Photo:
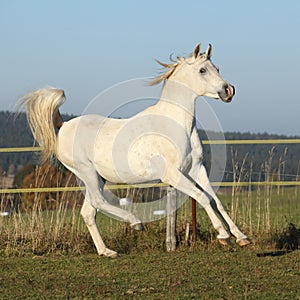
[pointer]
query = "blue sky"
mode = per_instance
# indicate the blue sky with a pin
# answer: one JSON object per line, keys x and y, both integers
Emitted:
{"x": 85, "y": 47}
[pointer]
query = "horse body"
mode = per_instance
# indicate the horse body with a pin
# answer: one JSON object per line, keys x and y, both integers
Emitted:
{"x": 140, "y": 140}
{"x": 160, "y": 143}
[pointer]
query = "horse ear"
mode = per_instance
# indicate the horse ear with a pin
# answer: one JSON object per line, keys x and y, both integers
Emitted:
{"x": 208, "y": 52}
{"x": 197, "y": 51}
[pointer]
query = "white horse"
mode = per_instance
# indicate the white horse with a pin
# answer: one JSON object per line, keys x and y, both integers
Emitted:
{"x": 160, "y": 143}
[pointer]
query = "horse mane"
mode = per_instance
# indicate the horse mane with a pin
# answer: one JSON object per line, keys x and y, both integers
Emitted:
{"x": 171, "y": 67}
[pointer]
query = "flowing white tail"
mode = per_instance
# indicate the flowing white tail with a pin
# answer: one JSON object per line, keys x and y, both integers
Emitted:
{"x": 43, "y": 117}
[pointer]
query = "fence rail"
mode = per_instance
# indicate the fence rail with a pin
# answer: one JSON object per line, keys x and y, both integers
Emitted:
{"x": 122, "y": 186}
{"x": 19, "y": 149}
{"x": 254, "y": 142}
{"x": 144, "y": 186}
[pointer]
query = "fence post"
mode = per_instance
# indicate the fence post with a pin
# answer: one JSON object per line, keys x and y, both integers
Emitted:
{"x": 171, "y": 219}
{"x": 194, "y": 219}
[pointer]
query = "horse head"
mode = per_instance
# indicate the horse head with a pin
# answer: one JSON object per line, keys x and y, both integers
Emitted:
{"x": 198, "y": 73}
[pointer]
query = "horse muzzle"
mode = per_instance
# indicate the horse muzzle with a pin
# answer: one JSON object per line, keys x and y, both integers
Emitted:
{"x": 227, "y": 93}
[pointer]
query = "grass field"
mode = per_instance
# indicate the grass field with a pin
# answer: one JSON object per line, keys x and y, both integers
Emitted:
{"x": 50, "y": 255}
{"x": 211, "y": 273}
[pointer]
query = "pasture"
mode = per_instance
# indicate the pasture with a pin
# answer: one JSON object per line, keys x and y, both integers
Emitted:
{"x": 50, "y": 255}
{"x": 198, "y": 273}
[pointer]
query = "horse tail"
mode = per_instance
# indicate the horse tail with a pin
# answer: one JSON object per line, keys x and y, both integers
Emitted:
{"x": 43, "y": 117}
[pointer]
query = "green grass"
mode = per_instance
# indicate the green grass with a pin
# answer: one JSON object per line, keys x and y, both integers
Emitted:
{"x": 213, "y": 273}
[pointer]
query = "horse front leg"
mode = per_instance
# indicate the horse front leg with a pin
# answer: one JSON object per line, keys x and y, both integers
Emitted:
{"x": 201, "y": 178}
{"x": 184, "y": 184}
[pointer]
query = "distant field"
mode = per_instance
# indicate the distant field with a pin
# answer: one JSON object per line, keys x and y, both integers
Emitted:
{"x": 50, "y": 255}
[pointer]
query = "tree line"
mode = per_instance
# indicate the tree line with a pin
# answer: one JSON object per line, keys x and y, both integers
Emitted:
{"x": 243, "y": 162}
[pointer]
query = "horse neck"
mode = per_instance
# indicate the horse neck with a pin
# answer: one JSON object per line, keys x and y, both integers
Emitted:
{"x": 178, "y": 102}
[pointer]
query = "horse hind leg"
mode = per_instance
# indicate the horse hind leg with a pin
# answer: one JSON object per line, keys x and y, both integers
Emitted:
{"x": 119, "y": 213}
{"x": 88, "y": 213}
{"x": 95, "y": 200}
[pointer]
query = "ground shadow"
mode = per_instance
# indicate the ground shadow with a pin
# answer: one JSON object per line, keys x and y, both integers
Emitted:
{"x": 286, "y": 242}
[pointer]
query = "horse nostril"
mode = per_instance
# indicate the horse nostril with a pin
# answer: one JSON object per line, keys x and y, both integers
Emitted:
{"x": 229, "y": 90}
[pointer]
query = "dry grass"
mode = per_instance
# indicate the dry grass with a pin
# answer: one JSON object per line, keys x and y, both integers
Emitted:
{"x": 62, "y": 230}
{"x": 44, "y": 228}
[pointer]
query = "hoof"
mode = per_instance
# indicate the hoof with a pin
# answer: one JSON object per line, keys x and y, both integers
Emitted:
{"x": 224, "y": 242}
{"x": 109, "y": 253}
{"x": 244, "y": 242}
{"x": 137, "y": 226}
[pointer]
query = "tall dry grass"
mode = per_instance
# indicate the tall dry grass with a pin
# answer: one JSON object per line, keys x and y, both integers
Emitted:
{"x": 265, "y": 208}
{"x": 261, "y": 212}
{"x": 41, "y": 231}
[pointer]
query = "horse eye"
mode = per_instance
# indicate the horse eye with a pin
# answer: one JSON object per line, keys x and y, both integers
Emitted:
{"x": 202, "y": 70}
